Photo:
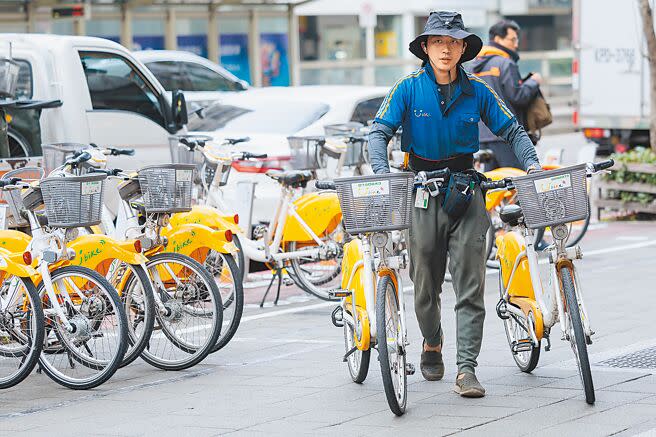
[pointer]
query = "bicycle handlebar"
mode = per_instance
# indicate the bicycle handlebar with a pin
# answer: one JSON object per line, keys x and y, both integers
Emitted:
{"x": 249, "y": 155}
{"x": 10, "y": 181}
{"x": 603, "y": 165}
{"x": 108, "y": 172}
{"x": 78, "y": 158}
{"x": 233, "y": 141}
{"x": 496, "y": 185}
{"x": 116, "y": 152}
{"x": 325, "y": 185}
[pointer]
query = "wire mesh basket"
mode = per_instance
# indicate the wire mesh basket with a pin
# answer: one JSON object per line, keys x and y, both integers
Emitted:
{"x": 375, "y": 203}
{"x": 167, "y": 188}
{"x": 55, "y": 155}
{"x": 210, "y": 168}
{"x": 553, "y": 197}
{"x": 306, "y": 152}
{"x": 14, "y": 197}
{"x": 75, "y": 201}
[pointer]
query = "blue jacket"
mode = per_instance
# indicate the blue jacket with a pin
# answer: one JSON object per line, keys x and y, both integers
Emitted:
{"x": 436, "y": 128}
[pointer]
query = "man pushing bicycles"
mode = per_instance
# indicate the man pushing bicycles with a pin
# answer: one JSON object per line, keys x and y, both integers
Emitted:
{"x": 439, "y": 107}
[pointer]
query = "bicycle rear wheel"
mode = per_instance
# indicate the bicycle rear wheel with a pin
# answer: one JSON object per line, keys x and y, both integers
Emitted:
{"x": 391, "y": 351}
{"x": 517, "y": 333}
{"x": 358, "y": 361}
{"x": 190, "y": 312}
{"x": 90, "y": 352}
{"x": 229, "y": 280}
{"x": 138, "y": 300}
{"x": 576, "y": 335}
{"x": 21, "y": 330}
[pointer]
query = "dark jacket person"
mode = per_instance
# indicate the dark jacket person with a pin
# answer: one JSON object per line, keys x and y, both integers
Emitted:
{"x": 496, "y": 64}
{"x": 439, "y": 107}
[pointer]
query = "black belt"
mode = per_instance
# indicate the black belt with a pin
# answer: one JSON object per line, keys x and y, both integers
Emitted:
{"x": 458, "y": 163}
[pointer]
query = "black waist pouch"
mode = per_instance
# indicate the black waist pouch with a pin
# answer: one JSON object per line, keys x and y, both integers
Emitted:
{"x": 458, "y": 194}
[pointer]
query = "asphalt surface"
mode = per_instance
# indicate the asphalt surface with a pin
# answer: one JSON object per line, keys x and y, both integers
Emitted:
{"x": 283, "y": 373}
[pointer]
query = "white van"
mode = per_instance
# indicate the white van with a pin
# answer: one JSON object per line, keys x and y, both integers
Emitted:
{"x": 109, "y": 97}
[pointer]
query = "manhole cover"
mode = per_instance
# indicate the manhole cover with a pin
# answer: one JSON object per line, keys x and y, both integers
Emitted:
{"x": 642, "y": 359}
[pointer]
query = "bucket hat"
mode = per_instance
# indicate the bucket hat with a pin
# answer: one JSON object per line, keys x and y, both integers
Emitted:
{"x": 446, "y": 23}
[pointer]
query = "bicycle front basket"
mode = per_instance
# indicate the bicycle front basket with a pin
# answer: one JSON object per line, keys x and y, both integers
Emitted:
{"x": 306, "y": 152}
{"x": 181, "y": 155}
{"x": 55, "y": 155}
{"x": 73, "y": 202}
{"x": 14, "y": 198}
{"x": 167, "y": 188}
{"x": 553, "y": 197}
{"x": 375, "y": 203}
{"x": 351, "y": 128}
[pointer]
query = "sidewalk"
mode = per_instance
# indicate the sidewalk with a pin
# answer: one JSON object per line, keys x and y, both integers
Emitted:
{"x": 283, "y": 374}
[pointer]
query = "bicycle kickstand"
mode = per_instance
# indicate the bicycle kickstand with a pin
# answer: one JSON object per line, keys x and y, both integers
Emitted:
{"x": 278, "y": 275}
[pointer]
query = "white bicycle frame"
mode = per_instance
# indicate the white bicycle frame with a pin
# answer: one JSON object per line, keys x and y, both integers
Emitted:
{"x": 370, "y": 264}
{"x": 269, "y": 249}
{"x": 549, "y": 299}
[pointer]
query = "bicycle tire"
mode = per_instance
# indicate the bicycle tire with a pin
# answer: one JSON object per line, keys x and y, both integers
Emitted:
{"x": 194, "y": 353}
{"x": 34, "y": 339}
{"x": 241, "y": 258}
{"x": 235, "y": 301}
{"x": 397, "y": 397}
{"x": 314, "y": 287}
{"x": 358, "y": 361}
{"x": 137, "y": 345}
{"x": 106, "y": 370}
{"x": 577, "y": 336}
{"x": 510, "y": 325}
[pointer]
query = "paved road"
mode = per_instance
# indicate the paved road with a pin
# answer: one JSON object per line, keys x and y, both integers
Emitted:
{"x": 283, "y": 375}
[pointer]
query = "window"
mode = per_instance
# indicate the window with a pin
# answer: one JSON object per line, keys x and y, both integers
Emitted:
{"x": 203, "y": 79}
{"x": 170, "y": 75}
{"x": 366, "y": 110}
{"x": 24, "y": 83}
{"x": 114, "y": 84}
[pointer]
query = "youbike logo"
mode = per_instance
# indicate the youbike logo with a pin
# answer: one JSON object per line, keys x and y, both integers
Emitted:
{"x": 419, "y": 113}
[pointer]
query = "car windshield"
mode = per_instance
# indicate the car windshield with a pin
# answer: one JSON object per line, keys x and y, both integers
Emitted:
{"x": 273, "y": 118}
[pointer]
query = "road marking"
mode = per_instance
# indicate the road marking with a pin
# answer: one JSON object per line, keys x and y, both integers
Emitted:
{"x": 304, "y": 308}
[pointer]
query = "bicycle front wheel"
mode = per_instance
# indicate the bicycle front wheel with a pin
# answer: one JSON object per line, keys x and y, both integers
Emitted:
{"x": 576, "y": 334}
{"x": 190, "y": 312}
{"x": 391, "y": 350}
{"x": 84, "y": 349}
{"x": 21, "y": 330}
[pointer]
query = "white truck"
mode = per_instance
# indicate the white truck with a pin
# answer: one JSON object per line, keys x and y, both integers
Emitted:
{"x": 610, "y": 74}
{"x": 109, "y": 97}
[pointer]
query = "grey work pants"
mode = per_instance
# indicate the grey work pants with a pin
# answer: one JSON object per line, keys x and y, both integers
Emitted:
{"x": 432, "y": 236}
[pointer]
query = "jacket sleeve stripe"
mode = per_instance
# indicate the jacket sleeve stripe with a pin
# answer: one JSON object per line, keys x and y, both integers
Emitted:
{"x": 386, "y": 103}
{"x": 500, "y": 102}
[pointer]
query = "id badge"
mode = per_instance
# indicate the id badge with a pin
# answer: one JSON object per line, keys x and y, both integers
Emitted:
{"x": 421, "y": 198}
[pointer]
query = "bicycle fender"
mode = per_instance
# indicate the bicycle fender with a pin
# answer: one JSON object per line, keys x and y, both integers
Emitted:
{"x": 190, "y": 238}
{"x": 509, "y": 246}
{"x": 14, "y": 241}
{"x": 94, "y": 250}
{"x": 353, "y": 254}
{"x": 13, "y": 264}
{"x": 528, "y": 306}
{"x": 320, "y": 211}
{"x": 207, "y": 216}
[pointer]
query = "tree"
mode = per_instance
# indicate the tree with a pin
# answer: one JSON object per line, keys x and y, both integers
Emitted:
{"x": 650, "y": 36}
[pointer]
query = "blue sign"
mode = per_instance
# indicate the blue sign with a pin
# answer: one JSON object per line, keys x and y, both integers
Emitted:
{"x": 155, "y": 42}
{"x": 234, "y": 54}
{"x": 273, "y": 55}
{"x": 196, "y": 44}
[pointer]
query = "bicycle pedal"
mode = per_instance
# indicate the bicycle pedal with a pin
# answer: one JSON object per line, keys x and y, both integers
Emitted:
{"x": 524, "y": 345}
{"x": 409, "y": 369}
{"x": 287, "y": 281}
{"x": 337, "y": 317}
{"x": 339, "y": 293}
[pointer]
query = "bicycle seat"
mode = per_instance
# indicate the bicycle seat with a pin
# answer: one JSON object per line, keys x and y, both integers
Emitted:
{"x": 511, "y": 214}
{"x": 293, "y": 178}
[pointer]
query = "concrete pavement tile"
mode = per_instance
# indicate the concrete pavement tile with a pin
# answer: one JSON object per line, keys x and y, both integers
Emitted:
{"x": 578, "y": 428}
{"x": 550, "y": 372}
{"x": 614, "y": 398}
{"x": 601, "y": 380}
{"x": 388, "y": 419}
{"x": 522, "y": 380}
{"x": 290, "y": 426}
{"x": 475, "y": 410}
{"x": 642, "y": 385}
{"x": 544, "y": 392}
{"x": 651, "y": 400}
{"x": 492, "y": 401}
{"x": 624, "y": 415}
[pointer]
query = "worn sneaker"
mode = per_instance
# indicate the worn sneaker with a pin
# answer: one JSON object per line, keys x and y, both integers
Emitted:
{"x": 432, "y": 365}
{"x": 467, "y": 385}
